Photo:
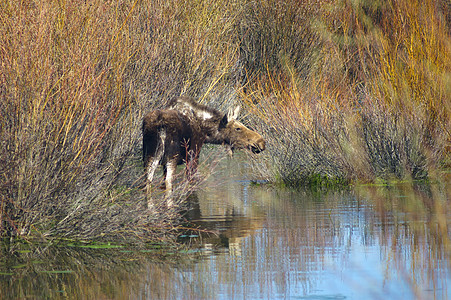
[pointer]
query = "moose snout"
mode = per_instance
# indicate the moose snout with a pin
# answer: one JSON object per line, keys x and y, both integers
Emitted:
{"x": 258, "y": 146}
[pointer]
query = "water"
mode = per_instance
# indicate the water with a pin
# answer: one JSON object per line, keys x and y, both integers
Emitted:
{"x": 300, "y": 245}
{"x": 261, "y": 242}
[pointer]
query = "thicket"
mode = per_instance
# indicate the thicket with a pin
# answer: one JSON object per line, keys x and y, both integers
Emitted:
{"x": 370, "y": 99}
{"x": 341, "y": 90}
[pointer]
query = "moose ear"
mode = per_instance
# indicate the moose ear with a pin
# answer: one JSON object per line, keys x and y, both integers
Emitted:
{"x": 224, "y": 122}
{"x": 233, "y": 113}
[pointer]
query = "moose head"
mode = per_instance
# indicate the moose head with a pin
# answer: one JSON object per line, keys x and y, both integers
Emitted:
{"x": 234, "y": 135}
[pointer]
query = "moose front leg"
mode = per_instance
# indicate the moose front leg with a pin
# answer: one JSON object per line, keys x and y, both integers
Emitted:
{"x": 170, "y": 168}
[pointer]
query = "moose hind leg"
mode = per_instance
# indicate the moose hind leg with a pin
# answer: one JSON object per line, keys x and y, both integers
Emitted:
{"x": 151, "y": 168}
{"x": 152, "y": 165}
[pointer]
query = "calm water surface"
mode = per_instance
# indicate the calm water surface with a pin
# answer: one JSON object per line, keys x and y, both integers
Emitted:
{"x": 266, "y": 243}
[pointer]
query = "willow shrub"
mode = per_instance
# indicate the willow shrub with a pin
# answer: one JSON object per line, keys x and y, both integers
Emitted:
{"x": 75, "y": 81}
{"x": 373, "y": 102}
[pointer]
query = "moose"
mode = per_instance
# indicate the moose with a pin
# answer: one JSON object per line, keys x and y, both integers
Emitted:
{"x": 172, "y": 135}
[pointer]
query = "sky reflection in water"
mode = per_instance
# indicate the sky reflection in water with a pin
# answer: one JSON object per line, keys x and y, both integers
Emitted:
{"x": 304, "y": 245}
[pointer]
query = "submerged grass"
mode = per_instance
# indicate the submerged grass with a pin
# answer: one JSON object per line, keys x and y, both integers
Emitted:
{"x": 342, "y": 91}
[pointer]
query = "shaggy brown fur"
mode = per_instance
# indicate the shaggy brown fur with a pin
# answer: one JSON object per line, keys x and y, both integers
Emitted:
{"x": 171, "y": 136}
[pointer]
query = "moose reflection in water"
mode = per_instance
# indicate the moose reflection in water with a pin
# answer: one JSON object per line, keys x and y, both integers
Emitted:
{"x": 175, "y": 136}
{"x": 224, "y": 224}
